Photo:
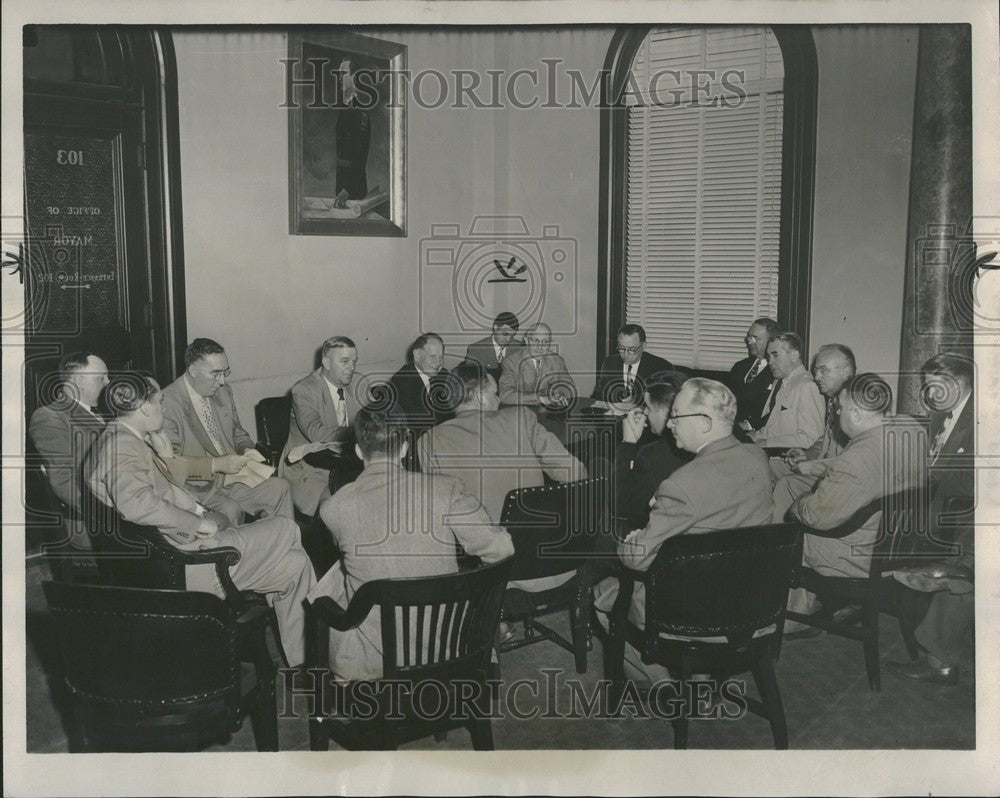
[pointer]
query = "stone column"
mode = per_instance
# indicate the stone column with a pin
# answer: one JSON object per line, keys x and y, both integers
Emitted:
{"x": 939, "y": 252}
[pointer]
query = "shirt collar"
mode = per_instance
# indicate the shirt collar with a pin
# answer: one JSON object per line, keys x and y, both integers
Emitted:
{"x": 88, "y": 408}
{"x": 132, "y": 429}
{"x": 196, "y": 398}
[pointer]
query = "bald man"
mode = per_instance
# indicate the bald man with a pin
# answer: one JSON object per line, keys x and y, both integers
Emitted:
{"x": 535, "y": 375}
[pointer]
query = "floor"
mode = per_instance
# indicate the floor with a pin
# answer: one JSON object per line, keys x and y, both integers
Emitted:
{"x": 823, "y": 686}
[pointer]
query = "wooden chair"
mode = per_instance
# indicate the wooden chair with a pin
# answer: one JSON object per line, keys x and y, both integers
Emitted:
{"x": 159, "y": 670}
{"x": 897, "y": 544}
{"x": 556, "y": 529}
{"x": 436, "y": 631}
{"x": 274, "y": 418}
{"x": 731, "y": 585}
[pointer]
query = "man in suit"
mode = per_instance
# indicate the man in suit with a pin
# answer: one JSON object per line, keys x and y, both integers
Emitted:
{"x": 127, "y": 473}
{"x": 623, "y": 376}
{"x": 535, "y": 375}
{"x": 726, "y": 485}
{"x": 65, "y": 430}
{"x": 493, "y": 450}
{"x": 794, "y": 411}
{"x": 420, "y": 389}
{"x": 489, "y": 352}
{"x": 750, "y": 379}
{"x": 209, "y": 442}
{"x": 947, "y": 393}
{"x": 322, "y": 410}
{"x": 849, "y": 482}
{"x": 639, "y": 470}
{"x": 833, "y": 367}
{"x": 392, "y": 523}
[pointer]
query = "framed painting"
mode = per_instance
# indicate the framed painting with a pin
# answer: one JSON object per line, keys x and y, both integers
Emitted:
{"x": 346, "y": 134}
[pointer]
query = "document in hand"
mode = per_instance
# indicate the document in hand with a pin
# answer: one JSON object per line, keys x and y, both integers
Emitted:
{"x": 251, "y": 475}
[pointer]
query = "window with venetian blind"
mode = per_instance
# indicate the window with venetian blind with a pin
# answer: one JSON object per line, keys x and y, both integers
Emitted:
{"x": 703, "y": 190}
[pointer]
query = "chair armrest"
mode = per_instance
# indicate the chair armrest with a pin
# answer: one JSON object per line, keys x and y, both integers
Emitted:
{"x": 253, "y": 617}
{"x": 227, "y": 555}
{"x": 335, "y": 616}
{"x": 270, "y": 455}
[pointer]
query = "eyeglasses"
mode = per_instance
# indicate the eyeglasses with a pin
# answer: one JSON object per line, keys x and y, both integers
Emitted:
{"x": 630, "y": 350}
{"x": 673, "y": 417}
{"x": 539, "y": 341}
{"x": 217, "y": 373}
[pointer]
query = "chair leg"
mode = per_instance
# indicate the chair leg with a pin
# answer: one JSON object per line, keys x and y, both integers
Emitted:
{"x": 870, "y": 624}
{"x": 681, "y": 724}
{"x": 264, "y": 717}
{"x": 579, "y": 616}
{"x": 481, "y": 730}
{"x": 767, "y": 686}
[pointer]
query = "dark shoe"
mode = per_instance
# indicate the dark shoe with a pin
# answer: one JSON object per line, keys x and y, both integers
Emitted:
{"x": 946, "y": 575}
{"x": 508, "y": 631}
{"x": 922, "y": 671}
{"x": 846, "y": 613}
{"x": 812, "y": 633}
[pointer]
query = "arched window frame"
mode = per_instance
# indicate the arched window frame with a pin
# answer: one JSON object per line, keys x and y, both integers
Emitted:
{"x": 798, "y": 162}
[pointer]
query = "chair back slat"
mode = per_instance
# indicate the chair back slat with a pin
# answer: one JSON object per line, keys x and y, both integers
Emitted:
{"x": 557, "y": 528}
{"x": 730, "y": 583}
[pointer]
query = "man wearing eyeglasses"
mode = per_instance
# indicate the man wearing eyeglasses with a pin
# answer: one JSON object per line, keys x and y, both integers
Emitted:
{"x": 727, "y": 485}
{"x": 203, "y": 440}
{"x": 535, "y": 375}
{"x": 625, "y": 373}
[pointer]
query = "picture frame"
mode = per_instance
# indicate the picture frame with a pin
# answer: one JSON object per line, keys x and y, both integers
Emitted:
{"x": 346, "y": 134}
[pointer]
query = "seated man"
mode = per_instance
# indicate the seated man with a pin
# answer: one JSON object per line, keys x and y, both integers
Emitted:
{"x": 391, "y": 523}
{"x": 623, "y": 376}
{"x": 639, "y": 470}
{"x": 793, "y": 412}
{"x": 208, "y": 441}
{"x": 419, "y": 389}
{"x": 834, "y": 366}
{"x": 490, "y": 351}
{"x": 750, "y": 379}
{"x": 322, "y": 409}
{"x": 126, "y": 473}
{"x": 726, "y": 485}
{"x": 534, "y": 375}
{"x": 64, "y": 431}
{"x": 849, "y": 482}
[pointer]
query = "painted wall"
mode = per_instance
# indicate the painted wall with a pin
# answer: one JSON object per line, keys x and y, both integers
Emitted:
{"x": 271, "y": 298}
{"x": 864, "y": 132}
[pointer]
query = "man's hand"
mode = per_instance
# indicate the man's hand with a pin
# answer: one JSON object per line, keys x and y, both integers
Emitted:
{"x": 253, "y": 454}
{"x": 221, "y": 520}
{"x": 229, "y": 464}
{"x": 810, "y": 468}
{"x": 161, "y": 445}
{"x": 553, "y": 400}
{"x": 793, "y": 456}
{"x": 207, "y": 528}
{"x": 633, "y": 424}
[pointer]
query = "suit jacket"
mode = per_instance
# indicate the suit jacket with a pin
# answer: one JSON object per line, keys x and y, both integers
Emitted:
{"x": 798, "y": 413}
{"x": 193, "y": 449}
{"x": 610, "y": 384}
{"x": 391, "y": 523}
{"x": 63, "y": 434}
{"x": 750, "y": 397}
{"x": 494, "y": 453}
{"x": 953, "y": 476}
{"x": 423, "y": 407}
{"x": 313, "y": 420}
{"x": 484, "y": 353}
{"x": 520, "y": 382}
{"x": 726, "y": 485}
{"x": 639, "y": 470}
{"x": 833, "y": 440}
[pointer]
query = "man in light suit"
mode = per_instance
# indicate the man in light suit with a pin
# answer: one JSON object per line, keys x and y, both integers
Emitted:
{"x": 623, "y": 376}
{"x": 535, "y": 375}
{"x": 750, "y": 379}
{"x": 322, "y": 410}
{"x": 726, "y": 485}
{"x": 208, "y": 440}
{"x": 391, "y": 523}
{"x": 489, "y": 352}
{"x": 834, "y": 366}
{"x": 419, "y": 389}
{"x": 849, "y": 482}
{"x": 127, "y": 473}
{"x": 65, "y": 430}
{"x": 794, "y": 411}
{"x": 493, "y": 450}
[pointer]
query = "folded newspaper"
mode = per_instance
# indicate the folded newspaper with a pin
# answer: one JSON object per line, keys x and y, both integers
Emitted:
{"x": 299, "y": 452}
{"x": 251, "y": 475}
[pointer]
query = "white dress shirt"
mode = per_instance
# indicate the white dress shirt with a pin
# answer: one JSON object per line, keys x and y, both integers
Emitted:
{"x": 199, "y": 409}
{"x": 340, "y": 405}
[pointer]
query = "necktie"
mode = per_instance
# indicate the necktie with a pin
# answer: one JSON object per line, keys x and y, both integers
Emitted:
{"x": 628, "y": 378}
{"x": 829, "y": 434}
{"x": 939, "y": 439}
{"x": 212, "y": 426}
{"x": 341, "y": 409}
{"x": 538, "y": 371}
{"x": 500, "y": 354}
{"x": 771, "y": 400}
{"x": 754, "y": 371}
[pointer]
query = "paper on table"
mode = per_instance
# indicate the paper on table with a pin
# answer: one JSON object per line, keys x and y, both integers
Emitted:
{"x": 299, "y": 452}
{"x": 251, "y": 475}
